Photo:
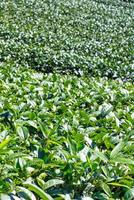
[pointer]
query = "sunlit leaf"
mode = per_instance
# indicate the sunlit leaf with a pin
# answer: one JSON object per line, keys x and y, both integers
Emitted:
{"x": 38, "y": 191}
{"x": 50, "y": 183}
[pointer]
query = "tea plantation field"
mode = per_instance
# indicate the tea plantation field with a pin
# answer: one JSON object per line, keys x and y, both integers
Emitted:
{"x": 81, "y": 36}
{"x": 66, "y": 100}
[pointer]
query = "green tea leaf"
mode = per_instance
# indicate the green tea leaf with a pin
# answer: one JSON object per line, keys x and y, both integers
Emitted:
{"x": 101, "y": 155}
{"x": 129, "y": 195}
{"x": 25, "y": 193}
{"x": 5, "y": 142}
{"x": 38, "y": 191}
{"x": 122, "y": 160}
{"x": 49, "y": 183}
{"x": 106, "y": 188}
{"x": 116, "y": 150}
{"x": 118, "y": 184}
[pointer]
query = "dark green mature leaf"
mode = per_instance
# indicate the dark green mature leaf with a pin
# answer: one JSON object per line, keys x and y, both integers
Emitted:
{"x": 129, "y": 195}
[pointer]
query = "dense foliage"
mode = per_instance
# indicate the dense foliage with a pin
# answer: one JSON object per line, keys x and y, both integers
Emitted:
{"x": 67, "y": 134}
{"x": 76, "y": 132}
{"x": 88, "y": 36}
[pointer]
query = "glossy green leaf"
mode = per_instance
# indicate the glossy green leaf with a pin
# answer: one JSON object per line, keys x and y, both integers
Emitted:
{"x": 114, "y": 153}
{"x": 38, "y": 191}
{"x": 50, "y": 183}
{"x": 25, "y": 193}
